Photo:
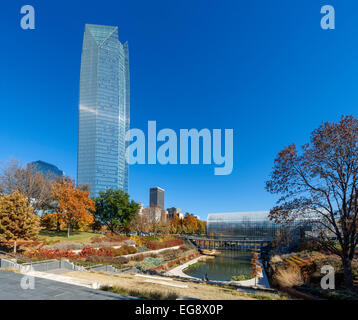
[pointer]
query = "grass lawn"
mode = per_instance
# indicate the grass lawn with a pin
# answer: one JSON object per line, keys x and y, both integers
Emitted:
{"x": 75, "y": 236}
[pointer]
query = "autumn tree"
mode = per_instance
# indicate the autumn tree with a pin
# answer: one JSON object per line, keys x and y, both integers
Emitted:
{"x": 17, "y": 219}
{"x": 201, "y": 226}
{"x": 140, "y": 223}
{"x": 52, "y": 221}
{"x": 73, "y": 204}
{"x": 174, "y": 224}
{"x": 255, "y": 265}
{"x": 190, "y": 223}
{"x": 320, "y": 183}
{"x": 163, "y": 227}
{"x": 115, "y": 210}
{"x": 29, "y": 182}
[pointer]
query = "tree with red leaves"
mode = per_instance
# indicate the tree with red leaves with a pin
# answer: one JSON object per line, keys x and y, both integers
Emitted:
{"x": 320, "y": 183}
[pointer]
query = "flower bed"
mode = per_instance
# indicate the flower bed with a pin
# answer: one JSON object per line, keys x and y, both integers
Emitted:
{"x": 156, "y": 245}
{"x": 84, "y": 253}
{"x": 149, "y": 263}
{"x": 174, "y": 262}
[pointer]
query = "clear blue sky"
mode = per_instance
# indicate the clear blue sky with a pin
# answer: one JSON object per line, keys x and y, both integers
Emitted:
{"x": 264, "y": 68}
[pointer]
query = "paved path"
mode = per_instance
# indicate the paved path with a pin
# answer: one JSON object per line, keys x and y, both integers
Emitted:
{"x": 10, "y": 289}
{"x": 146, "y": 253}
{"x": 178, "y": 271}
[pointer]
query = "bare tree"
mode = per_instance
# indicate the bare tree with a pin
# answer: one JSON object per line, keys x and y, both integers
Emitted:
{"x": 29, "y": 182}
{"x": 321, "y": 183}
{"x": 141, "y": 223}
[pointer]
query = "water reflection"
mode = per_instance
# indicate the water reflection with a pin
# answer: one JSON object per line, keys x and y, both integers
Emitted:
{"x": 223, "y": 267}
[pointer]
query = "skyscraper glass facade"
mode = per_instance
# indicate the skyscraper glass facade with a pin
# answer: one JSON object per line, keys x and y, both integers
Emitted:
{"x": 103, "y": 110}
{"x": 48, "y": 170}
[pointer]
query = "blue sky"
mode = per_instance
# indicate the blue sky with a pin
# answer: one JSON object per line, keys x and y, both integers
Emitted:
{"x": 263, "y": 68}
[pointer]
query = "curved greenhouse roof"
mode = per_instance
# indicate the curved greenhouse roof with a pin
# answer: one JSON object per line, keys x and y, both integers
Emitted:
{"x": 245, "y": 225}
{"x": 239, "y": 216}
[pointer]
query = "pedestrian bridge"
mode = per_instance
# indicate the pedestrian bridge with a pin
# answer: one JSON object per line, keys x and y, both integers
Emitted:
{"x": 228, "y": 244}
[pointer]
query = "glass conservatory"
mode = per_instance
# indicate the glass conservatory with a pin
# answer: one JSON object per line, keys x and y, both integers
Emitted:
{"x": 247, "y": 226}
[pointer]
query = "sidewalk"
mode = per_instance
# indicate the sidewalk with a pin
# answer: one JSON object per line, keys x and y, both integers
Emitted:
{"x": 178, "y": 271}
{"x": 45, "y": 289}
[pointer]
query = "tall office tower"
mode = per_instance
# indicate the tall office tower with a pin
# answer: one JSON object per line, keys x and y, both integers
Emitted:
{"x": 156, "y": 197}
{"x": 103, "y": 110}
{"x": 48, "y": 170}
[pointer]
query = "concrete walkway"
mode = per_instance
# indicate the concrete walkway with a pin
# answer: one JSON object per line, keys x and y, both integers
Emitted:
{"x": 63, "y": 279}
{"x": 178, "y": 271}
{"x": 44, "y": 289}
{"x": 150, "y": 252}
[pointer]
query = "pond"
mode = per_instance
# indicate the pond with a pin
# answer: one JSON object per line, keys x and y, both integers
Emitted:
{"x": 222, "y": 267}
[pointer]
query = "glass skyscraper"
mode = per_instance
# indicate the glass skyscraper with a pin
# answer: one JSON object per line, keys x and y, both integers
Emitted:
{"x": 103, "y": 110}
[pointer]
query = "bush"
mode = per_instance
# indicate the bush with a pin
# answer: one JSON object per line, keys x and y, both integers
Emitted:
{"x": 99, "y": 259}
{"x": 109, "y": 238}
{"x": 89, "y": 251}
{"x": 149, "y": 263}
{"x": 124, "y": 250}
{"x": 142, "y": 249}
{"x": 241, "y": 277}
{"x": 289, "y": 276}
{"x": 183, "y": 248}
{"x": 156, "y": 245}
{"x": 170, "y": 255}
{"x": 120, "y": 260}
{"x": 139, "y": 257}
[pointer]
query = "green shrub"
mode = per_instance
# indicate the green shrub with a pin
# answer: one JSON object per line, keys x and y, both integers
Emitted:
{"x": 149, "y": 263}
{"x": 142, "y": 249}
{"x": 241, "y": 277}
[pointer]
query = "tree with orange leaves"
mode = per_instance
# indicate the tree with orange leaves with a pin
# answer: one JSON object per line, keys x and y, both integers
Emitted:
{"x": 174, "y": 224}
{"x": 190, "y": 223}
{"x": 73, "y": 204}
{"x": 256, "y": 266}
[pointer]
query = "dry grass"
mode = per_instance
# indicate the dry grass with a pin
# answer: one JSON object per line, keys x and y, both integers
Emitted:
{"x": 289, "y": 277}
{"x": 128, "y": 282}
{"x": 275, "y": 259}
{"x": 152, "y": 295}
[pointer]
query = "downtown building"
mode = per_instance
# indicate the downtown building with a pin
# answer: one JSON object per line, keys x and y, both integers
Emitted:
{"x": 48, "y": 170}
{"x": 103, "y": 110}
{"x": 156, "y": 197}
{"x": 156, "y": 210}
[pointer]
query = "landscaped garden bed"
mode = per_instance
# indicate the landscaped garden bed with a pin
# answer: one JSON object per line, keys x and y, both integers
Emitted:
{"x": 302, "y": 271}
{"x": 120, "y": 251}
